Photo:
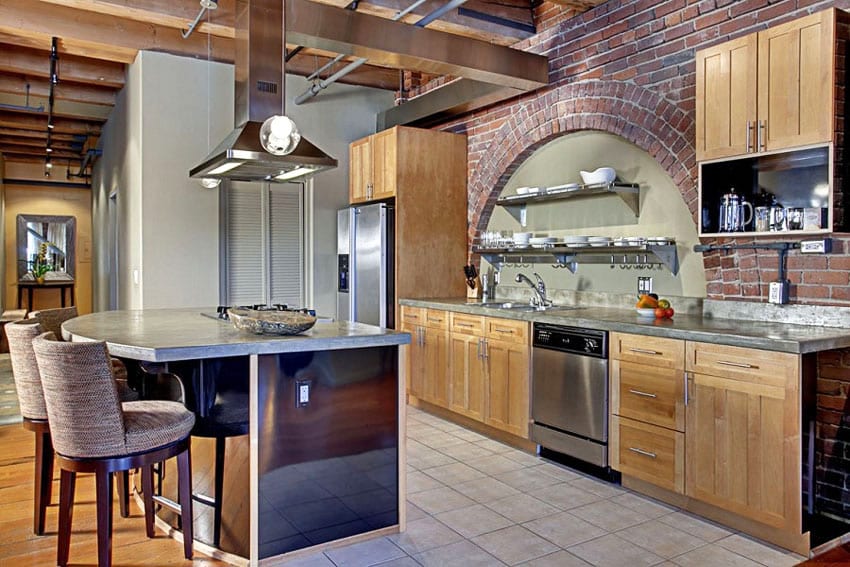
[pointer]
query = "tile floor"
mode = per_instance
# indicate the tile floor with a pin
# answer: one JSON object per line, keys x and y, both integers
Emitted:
{"x": 473, "y": 501}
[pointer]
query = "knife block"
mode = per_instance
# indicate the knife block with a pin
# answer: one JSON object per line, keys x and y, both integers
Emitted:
{"x": 474, "y": 292}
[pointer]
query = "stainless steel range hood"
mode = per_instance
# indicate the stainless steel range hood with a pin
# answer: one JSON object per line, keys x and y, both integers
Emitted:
{"x": 260, "y": 86}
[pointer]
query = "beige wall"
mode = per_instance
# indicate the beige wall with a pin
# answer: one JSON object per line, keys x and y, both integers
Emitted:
{"x": 36, "y": 200}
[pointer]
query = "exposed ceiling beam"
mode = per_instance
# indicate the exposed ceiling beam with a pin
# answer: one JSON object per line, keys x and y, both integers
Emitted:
{"x": 12, "y": 149}
{"x": 39, "y": 122}
{"x": 41, "y": 135}
{"x": 35, "y": 63}
{"x": 63, "y": 108}
{"x": 62, "y": 91}
{"x": 33, "y": 143}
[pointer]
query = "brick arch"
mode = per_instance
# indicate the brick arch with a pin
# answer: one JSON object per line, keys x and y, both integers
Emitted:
{"x": 639, "y": 115}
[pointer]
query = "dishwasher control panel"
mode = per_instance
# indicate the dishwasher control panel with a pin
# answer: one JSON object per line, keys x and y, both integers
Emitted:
{"x": 588, "y": 342}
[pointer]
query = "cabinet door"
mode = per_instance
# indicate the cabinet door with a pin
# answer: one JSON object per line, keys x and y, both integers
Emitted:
{"x": 743, "y": 448}
{"x": 385, "y": 161}
{"x": 648, "y": 452}
{"x": 436, "y": 354}
{"x": 648, "y": 393}
{"x": 415, "y": 360}
{"x": 726, "y": 98}
{"x": 360, "y": 170}
{"x": 507, "y": 386}
{"x": 467, "y": 375}
{"x": 796, "y": 82}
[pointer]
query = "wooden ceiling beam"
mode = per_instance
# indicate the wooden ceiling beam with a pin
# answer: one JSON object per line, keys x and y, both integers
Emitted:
{"x": 41, "y": 135}
{"x": 61, "y": 108}
{"x": 36, "y": 63}
{"x": 57, "y": 145}
{"x": 37, "y": 122}
{"x": 35, "y": 152}
{"x": 63, "y": 91}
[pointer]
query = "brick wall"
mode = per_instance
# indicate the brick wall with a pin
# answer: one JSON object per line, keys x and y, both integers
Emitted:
{"x": 627, "y": 67}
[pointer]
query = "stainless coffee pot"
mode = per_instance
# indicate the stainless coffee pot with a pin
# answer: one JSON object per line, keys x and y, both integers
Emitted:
{"x": 733, "y": 212}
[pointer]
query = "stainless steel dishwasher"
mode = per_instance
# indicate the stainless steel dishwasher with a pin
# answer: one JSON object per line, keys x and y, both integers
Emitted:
{"x": 569, "y": 385}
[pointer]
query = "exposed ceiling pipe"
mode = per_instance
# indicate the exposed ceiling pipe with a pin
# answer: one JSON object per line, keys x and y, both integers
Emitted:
{"x": 316, "y": 88}
{"x": 205, "y": 5}
{"x": 54, "y": 80}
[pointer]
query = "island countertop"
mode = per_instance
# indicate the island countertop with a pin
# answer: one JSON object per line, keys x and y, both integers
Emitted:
{"x": 163, "y": 335}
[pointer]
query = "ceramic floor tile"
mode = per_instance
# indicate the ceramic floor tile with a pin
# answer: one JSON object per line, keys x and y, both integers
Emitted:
{"x": 474, "y": 521}
{"x": 470, "y": 436}
{"x": 434, "y": 459}
{"x": 643, "y": 504}
{"x": 465, "y": 451}
{"x": 444, "y": 425}
{"x": 603, "y": 489}
{"x": 523, "y": 458}
{"x": 365, "y": 553}
{"x": 485, "y": 490}
{"x": 611, "y": 551}
{"x": 557, "y": 559}
{"x": 402, "y": 562}
{"x": 661, "y": 539}
{"x": 564, "y": 529}
{"x": 494, "y": 446}
{"x": 527, "y": 479}
{"x": 494, "y": 464}
{"x": 461, "y": 554}
{"x": 419, "y": 481}
{"x": 422, "y": 535}
{"x": 440, "y": 500}
{"x": 713, "y": 556}
{"x": 442, "y": 440}
{"x": 454, "y": 473}
{"x": 560, "y": 472}
{"x": 514, "y": 545}
{"x": 608, "y": 515}
{"x": 565, "y": 496}
{"x": 314, "y": 560}
{"x": 414, "y": 512}
{"x": 695, "y": 526}
{"x": 760, "y": 552}
{"x": 522, "y": 508}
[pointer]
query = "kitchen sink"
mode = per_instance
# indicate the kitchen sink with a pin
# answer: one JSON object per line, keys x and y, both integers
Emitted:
{"x": 525, "y": 307}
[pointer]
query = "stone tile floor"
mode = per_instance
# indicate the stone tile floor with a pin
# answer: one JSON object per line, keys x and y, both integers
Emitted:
{"x": 473, "y": 501}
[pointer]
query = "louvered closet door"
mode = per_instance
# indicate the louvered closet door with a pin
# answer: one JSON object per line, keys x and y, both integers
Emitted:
{"x": 244, "y": 247}
{"x": 286, "y": 244}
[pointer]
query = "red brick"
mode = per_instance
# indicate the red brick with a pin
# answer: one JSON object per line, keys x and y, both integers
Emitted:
{"x": 823, "y": 277}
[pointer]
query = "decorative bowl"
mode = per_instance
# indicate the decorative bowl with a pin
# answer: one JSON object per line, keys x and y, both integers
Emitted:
{"x": 601, "y": 175}
{"x": 272, "y": 322}
{"x": 645, "y": 312}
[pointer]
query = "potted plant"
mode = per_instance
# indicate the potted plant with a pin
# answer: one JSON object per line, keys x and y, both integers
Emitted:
{"x": 40, "y": 266}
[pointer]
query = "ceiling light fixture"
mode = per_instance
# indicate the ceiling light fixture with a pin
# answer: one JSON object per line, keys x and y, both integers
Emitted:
{"x": 49, "y": 150}
{"x": 227, "y": 166}
{"x": 297, "y": 172}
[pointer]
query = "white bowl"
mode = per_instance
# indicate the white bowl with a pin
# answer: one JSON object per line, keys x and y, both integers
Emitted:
{"x": 645, "y": 312}
{"x": 521, "y": 190}
{"x": 601, "y": 175}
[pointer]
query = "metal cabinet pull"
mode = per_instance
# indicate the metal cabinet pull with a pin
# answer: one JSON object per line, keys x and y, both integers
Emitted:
{"x": 644, "y": 394}
{"x": 467, "y": 325}
{"x": 422, "y": 330}
{"x": 645, "y": 351}
{"x": 507, "y": 331}
{"x": 761, "y": 135}
{"x": 642, "y": 452}
{"x": 736, "y": 364}
{"x": 485, "y": 355}
{"x": 430, "y": 320}
{"x": 685, "y": 374}
{"x": 479, "y": 348}
{"x": 749, "y": 136}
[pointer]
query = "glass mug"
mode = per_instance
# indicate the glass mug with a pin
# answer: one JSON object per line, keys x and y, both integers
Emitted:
{"x": 762, "y": 216}
{"x": 794, "y": 218}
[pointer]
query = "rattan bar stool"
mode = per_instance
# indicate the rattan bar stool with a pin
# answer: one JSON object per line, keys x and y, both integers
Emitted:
{"x": 94, "y": 432}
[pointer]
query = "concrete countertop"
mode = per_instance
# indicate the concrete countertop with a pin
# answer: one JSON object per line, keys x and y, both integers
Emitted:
{"x": 783, "y": 337}
{"x": 162, "y": 335}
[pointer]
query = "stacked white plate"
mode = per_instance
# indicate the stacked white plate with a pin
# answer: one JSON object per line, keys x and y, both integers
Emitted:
{"x": 527, "y": 190}
{"x": 622, "y": 241}
{"x": 599, "y": 240}
{"x": 521, "y": 239}
{"x": 659, "y": 239}
{"x": 541, "y": 240}
{"x": 635, "y": 240}
{"x": 575, "y": 241}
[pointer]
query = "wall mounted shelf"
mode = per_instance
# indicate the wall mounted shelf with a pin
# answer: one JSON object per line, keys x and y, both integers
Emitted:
{"x": 570, "y": 257}
{"x": 516, "y": 204}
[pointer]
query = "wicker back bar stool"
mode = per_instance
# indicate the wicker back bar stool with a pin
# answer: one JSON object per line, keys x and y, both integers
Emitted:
{"x": 94, "y": 432}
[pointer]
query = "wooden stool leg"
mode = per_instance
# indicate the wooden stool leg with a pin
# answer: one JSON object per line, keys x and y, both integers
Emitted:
{"x": 219, "y": 488}
{"x": 67, "y": 482}
{"x": 123, "y": 485}
{"x": 103, "y": 486}
{"x": 184, "y": 481}
{"x": 147, "y": 496}
{"x": 43, "y": 479}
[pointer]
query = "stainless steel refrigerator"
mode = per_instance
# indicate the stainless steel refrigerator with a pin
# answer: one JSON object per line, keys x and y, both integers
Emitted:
{"x": 365, "y": 265}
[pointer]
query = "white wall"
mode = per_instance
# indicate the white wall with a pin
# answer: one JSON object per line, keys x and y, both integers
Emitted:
{"x": 169, "y": 224}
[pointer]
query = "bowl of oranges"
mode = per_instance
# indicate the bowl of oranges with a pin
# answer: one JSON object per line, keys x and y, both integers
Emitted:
{"x": 650, "y": 306}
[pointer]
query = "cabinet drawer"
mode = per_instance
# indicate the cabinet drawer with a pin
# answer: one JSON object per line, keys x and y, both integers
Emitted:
{"x": 650, "y": 394}
{"x": 651, "y": 453}
{"x": 763, "y": 367}
{"x": 507, "y": 330}
{"x": 466, "y": 324}
{"x": 666, "y": 353}
{"x": 437, "y": 319}
{"x": 412, "y": 315}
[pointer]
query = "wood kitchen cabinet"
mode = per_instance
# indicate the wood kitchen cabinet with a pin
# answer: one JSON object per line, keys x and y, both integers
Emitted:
{"x": 767, "y": 91}
{"x": 426, "y": 361}
{"x": 360, "y": 170}
{"x": 743, "y": 433}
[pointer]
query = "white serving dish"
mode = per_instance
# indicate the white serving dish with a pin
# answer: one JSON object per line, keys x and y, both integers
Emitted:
{"x": 645, "y": 313}
{"x": 601, "y": 175}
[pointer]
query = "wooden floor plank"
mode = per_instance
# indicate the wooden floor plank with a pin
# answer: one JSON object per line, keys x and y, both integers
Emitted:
{"x": 19, "y": 546}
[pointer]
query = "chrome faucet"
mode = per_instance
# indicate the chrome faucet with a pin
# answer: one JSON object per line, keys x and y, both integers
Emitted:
{"x": 539, "y": 289}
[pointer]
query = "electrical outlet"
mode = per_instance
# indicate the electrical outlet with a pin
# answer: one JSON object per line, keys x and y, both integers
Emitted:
{"x": 302, "y": 393}
{"x": 823, "y": 246}
{"x": 644, "y": 285}
{"x": 778, "y": 292}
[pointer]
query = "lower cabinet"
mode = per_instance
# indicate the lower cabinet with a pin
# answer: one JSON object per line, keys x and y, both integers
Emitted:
{"x": 426, "y": 361}
{"x": 436, "y": 378}
{"x": 651, "y": 453}
{"x": 507, "y": 386}
{"x": 467, "y": 375}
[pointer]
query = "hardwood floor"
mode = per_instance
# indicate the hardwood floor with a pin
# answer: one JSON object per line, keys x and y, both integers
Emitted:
{"x": 19, "y": 546}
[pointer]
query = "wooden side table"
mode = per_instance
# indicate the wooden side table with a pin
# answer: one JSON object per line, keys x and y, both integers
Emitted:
{"x": 61, "y": 285}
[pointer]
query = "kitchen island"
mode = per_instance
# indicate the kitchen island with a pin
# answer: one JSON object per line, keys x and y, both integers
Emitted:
{"x": 323, "y": 456}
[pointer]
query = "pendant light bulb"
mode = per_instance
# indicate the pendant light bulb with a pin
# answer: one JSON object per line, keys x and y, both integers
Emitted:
{"x": 210, "y": 182}
{"x": 279, "y": 135}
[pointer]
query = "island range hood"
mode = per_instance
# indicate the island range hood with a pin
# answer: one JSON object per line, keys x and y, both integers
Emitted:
{"x": 259, "y": 94}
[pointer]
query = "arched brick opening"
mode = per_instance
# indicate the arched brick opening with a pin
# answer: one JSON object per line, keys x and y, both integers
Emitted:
{"x": 639, "y": 115}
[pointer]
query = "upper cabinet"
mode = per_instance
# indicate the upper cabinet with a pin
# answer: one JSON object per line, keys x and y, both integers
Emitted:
{"x": 374, "y": 163}
{"x": 767, "y": 91}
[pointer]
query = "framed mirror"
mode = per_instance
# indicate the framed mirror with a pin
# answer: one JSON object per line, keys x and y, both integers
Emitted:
{"x": 57, "y": 234}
